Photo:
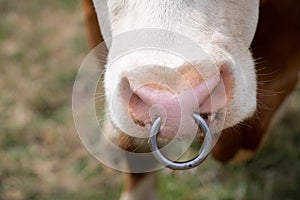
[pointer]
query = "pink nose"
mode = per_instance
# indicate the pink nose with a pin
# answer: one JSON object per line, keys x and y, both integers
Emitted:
{"x": 152, "y": 100}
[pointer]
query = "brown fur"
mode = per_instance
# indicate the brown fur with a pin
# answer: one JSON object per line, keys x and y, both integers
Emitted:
{"x": 276, "y": 45}
{"x": 91, "y": 21}
{"x": 132, "y": 180}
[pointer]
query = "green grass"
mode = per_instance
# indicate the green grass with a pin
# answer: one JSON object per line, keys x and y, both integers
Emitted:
{"x": 41, "y": 157}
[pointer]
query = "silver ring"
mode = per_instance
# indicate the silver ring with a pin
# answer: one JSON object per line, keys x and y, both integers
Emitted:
{"x": 203, "y": 153}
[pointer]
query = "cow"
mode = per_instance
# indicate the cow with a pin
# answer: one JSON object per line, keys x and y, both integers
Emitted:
{"x": 243, "y": 82}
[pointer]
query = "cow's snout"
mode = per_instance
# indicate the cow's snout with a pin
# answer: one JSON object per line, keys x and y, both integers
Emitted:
{"x": 174, "y": 95}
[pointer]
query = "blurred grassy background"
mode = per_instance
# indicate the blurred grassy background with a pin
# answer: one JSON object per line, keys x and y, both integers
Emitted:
{"x": 42, "y": 45}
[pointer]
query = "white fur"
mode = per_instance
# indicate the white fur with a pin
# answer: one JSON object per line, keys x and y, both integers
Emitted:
{"x": 224, "y": 29}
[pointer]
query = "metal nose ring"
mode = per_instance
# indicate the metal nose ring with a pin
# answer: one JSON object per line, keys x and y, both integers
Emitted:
{"x": 203, "y": 153}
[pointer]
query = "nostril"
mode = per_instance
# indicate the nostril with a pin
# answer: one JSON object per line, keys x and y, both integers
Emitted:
{"x": 227, "y": 79}
{"x": 138, "y": 110}
{"x": 204, "y": 116}
{"x": 208, "y": 117}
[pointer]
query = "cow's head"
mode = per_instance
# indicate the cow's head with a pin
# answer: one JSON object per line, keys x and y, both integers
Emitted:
{"x": 150, "y": 82}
